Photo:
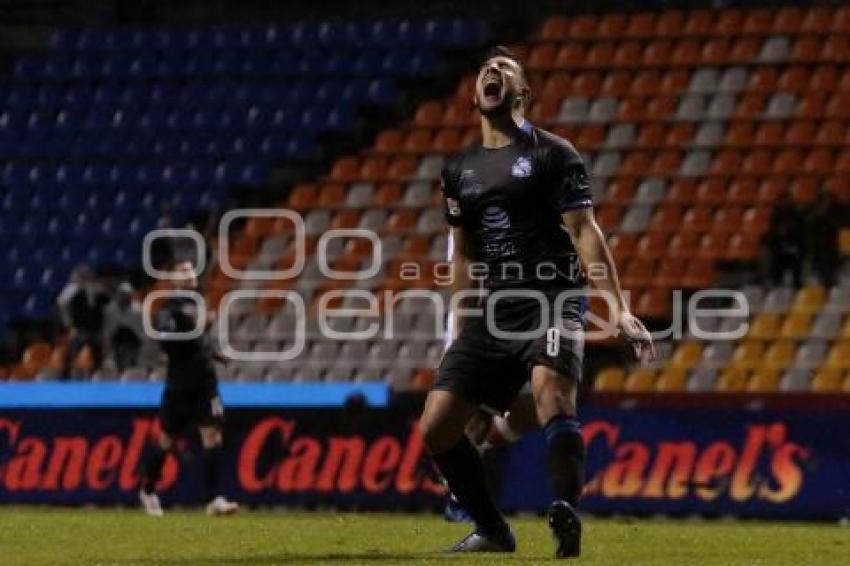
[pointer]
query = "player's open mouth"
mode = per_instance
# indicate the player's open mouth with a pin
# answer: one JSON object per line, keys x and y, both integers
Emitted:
{"x": 492, "y": 88}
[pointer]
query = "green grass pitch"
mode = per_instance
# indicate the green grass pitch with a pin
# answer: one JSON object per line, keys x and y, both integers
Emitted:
{"x": 34, "y": 535}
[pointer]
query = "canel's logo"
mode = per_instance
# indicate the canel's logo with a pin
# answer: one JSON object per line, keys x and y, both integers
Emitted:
{"x": 521, "y": 168}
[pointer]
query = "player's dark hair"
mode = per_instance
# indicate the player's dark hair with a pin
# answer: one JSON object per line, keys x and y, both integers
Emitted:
{"x": 502, "y": 51}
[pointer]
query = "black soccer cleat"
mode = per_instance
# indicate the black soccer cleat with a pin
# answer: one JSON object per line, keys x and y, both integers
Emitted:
{"x": 478, "y": 541}
{"x": 566, "y": 529}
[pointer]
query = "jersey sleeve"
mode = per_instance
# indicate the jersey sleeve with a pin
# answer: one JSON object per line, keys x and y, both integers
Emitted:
{"x": 449, "y": 186}
{"x": 568, "y": 177}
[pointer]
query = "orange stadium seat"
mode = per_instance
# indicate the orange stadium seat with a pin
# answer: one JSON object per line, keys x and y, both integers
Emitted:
{"x": 657, "y": 53}
{"x": 714, "y": 245}
{"x": 758, "y": 22}
{"x": 429, "y": 114}
{"x": 788, "y": 21}
{"x": 555, "y": 28}
{"x": 842, "y": 163}
{"x": 610, "y": 379}
{"x": 796, "y": 326}
{"x": 459, "y": 112}
{"x": 711, "y": 192}
{"x": 669, "y": 274}
{"x": 636, "y": 164}
{"x": 743, "y": 247}
{"x": 557, "y": 86}
{"x": 36, "y": 356}
{"x": 466, "y": 87}
{"x": 586, "y": 84}
{"x": 683, "y": 246}
{"x": 686, "y": 52}
{"x": 824, "y": 79}
{"x": 829, "y": 133}
{"x": 747, "y": 355}
{"x": 608, "y": 217}
{"x": 542, "y": 57}
{"x": 841, "y": 21}
{"x": 653, "y": 304}
{"x": 612, "y": 25}
{"x": 812, "y": 105}
{"x": 302, "y": 197}
{"x": 817, "y": 19}
{"x": 839, "y": 356}
{"x": 800, "y": 133}
{"x": 769, "y": 134}
{"x": 344, "y": 220}
{"x": 621, "y": 191}
{"x": 401, "y": 221}
{"x": 345, "y": 170}
{"x": 388, "y": 141}
{"x": 666, "y": 163}
{"x": 764, "y": 380}
{"x": 583, "y": 27}
{"x": 401, "y": 168}
{"x": 837, "y": 107}
{"x": 697, "y": 219}
{"x": 373, "y": 169}
{"x": 331, "y": 195}
{"x": 731, "y": 380}
{"x": 623, "y": 247}
{"x": 756, "y": 220}
{"x": 649, "y": 135}
{"x": 669, "y": 23}
{"x": 652, "y": 245}
{"x": 671, "y": 380}
{"x": 645, "y": 82}
{"x": 600, "y": 55}
{"x": 793, "y": 79}
{"x": 675, "y": 81}
{"x": 640, "y": 25}
{"x": 727, "y": 220}
{"x": 682, "y": 192}
{"x": 836, "y": 49}
{"x": 742, "y": 192}
{"x": 804, "y": 190}
{"x": 740, "y": 134}
{"x": 638, "y": 273}
{"x": 699, "y": 274}
{"x": 447, "y": 140}
{"x": 729, "y": 21}
{"x": 628, "y": 54}
{"x": 616, "y": 83}
{"x": 418, "y": 141}
{"x": 780, "y": 355}
{"x": 641, "y": 380}
{"x": 806, "y": 49}
{"x": 698, "y": 23}
{"x": 388, "y": 194}
{"x": 667, "y": 218}
{"x": 827, "y": 380}
{"x": 715, "y": 52}
{"x": 591, "y": 137}
{"x": 750, "y": 105}
{"x": 679, "y": 135}
{"x": 744, "y": 50}
{"x": 726, "y": 163}
{"x": 686, "y": 355}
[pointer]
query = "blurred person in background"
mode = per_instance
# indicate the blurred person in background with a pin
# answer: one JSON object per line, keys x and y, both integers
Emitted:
{"x": 822, "y": 226}
{"x": 785, "y": 241}
{"x": 123, "y": 334}
{"x": 82, "y": 303}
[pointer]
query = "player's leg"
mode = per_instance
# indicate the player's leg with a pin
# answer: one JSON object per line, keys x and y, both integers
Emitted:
{"x": 443, "y": 423}
{"x": 211, "y": 441}
{"x": 152, "y": 472}
{"x": 555, "y": 402}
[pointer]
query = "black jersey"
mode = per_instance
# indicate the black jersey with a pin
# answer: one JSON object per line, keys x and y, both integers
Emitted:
{"x": 190, "y": 362}
{"x": 509, "y": 202}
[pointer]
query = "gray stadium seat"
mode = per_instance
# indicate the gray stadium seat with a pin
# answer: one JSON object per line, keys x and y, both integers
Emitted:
{"x": 603, "y": 109}
{"x": 316, "y": 222}
{"x": 373, "y": 219}
{"x": 418, "y": 194}
{"x": 274, "y": 247}
{"x": 795, "y": 379}
{"x": 651, "y": 190}
{"x": 721, "y": 107}
{"x": 774, "y": 50}
{"x": 573, "y": 111}
{"x": 734, "y": 79}
{"x": 709, "y": 135}
{"x": 705, "y": 80}
{"x": 691, "y": 108}
{"x": 134, "y": 374}
{"x": 695, "y": 163}
{"x": 702, "y": 379}
{"x": 716, "y": 354}
{"x": 781, "y": 105}
{"x": 838, "y": 299}
{"x": 439, "y": 248}
{"x": 827, "y": 325}
{"x": 431, "y": 221}
{"x": 606, "y": 164}
{"x": 400, "y": 379}
{"x": 360, "y": 195}
{"x": 636, "y": 219}
{"x": 598, "y": 188}
{"x": 778, "y": 300}
{"x": 430, "y": 167}
{"x": 755, "y": 297}
{"x": 811, "y": 354}
{"x": 620, "y": 136}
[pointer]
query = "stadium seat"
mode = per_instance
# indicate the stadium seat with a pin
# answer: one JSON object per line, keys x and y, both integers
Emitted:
{"x": 732, "y": 380}
{"x": 640, "y": 380}
{"x": 610, "y": 379}
{"x": 672, "y": 380}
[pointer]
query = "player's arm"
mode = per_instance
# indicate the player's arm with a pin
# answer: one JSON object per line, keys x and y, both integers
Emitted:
{"x": 460, "y": 277}
{"x": 593, "y": 251}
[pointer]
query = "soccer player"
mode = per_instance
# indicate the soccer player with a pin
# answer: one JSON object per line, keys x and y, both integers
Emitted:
{"x": 520, "y": 209}
{"x": 190, "y": 398}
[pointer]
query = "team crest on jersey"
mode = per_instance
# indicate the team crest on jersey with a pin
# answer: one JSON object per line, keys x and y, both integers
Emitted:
{"x": 521, "y": 168}
{"x": 495, "y": 217}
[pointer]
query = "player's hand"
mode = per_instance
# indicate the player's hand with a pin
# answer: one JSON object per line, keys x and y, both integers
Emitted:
{"x": 637, "y": 334}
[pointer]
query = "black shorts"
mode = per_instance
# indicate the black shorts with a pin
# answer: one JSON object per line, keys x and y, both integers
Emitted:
{"x": 489, "y": 371}
{"x": 184, "y": 409}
